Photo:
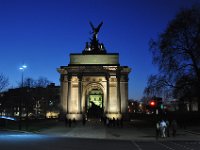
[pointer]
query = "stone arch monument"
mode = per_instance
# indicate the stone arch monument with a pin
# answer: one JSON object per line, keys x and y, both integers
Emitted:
{"x": 94, "y": 83}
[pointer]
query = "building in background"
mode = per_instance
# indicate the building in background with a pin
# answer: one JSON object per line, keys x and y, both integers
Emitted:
{"x": 36, "y": 103}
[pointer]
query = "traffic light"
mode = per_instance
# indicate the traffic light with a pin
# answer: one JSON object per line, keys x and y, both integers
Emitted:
{"x": 161, "y": 106}
{"x": 152, "y": 103}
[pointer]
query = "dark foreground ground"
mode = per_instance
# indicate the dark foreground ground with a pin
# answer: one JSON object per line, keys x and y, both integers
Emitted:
{"x": 16, "y": 140}
{"x": 134, "y": 135}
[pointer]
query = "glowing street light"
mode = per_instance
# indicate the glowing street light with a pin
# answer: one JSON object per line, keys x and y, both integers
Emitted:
{"x": 22, "y": 68}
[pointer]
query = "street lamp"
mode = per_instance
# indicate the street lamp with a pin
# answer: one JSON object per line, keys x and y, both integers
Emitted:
{"x": 22, "y": 68}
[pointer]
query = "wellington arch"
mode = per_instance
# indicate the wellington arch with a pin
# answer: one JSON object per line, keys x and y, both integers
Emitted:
{"x": 94, "y": 84}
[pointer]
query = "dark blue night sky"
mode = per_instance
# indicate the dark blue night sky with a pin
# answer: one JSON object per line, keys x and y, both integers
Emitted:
{"x": 42, "y": 34}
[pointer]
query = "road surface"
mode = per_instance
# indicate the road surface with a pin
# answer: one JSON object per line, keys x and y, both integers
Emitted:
{"x": 10, "y": 140}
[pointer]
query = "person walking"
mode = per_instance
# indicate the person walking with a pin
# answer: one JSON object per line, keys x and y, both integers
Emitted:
{"x": 167, "y": 128}
{"x": 157, "y": 129}
{"x": 174, "y": 127}
{"x": 84, "y": 120}
{"x": 66, "y": 121}
{"x": 107, "y": 122}
{"x": 70, "y": 122}
{"x": 163, "y": 128}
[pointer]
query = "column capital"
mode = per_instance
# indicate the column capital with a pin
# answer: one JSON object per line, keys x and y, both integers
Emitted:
{"x": 63, "y": 78}
{"x": 118, "y": 76}
{"x": 126, "y": 78}
{"x": 80, "y": 77}
{"x": 107, "y": 77}
{"x": 69, "y": 77}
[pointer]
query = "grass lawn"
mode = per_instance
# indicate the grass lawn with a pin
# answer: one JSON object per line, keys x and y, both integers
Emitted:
{"x": 30, "y": 125}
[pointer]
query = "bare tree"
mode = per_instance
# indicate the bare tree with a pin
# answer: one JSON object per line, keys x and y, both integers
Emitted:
{"x": 29, "y": 82}
{"x": 177, "y": 54}
{"x": 42, "y": 82}
{"x": 3, "y": 82}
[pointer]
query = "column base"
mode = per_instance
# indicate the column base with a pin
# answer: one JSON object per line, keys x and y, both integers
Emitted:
{"x": 73, "y": 116}
{"x": 114, "y": 115}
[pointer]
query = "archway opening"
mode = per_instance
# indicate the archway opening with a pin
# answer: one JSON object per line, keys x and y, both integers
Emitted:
{"x": 95, "y": 103}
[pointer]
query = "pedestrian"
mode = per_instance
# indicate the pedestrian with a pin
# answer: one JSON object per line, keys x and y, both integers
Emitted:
{"x": 113, "y": 121}
{"x": 174, "y": 127}
{"x": 167, "y": 128}
{"x": 104, "y": 121}
{"x": 84, "y": 120}
{"x": 66, "y": 121}
{"x": 74, "y": 121}
{"x": 163, "y": 128}
{"x": 157, "y": 129}
{"x": 121, "y": 122}
{"x": 117, "y": 122}
{"x": 70, "y": 122}
{"x": 107, "y": 122}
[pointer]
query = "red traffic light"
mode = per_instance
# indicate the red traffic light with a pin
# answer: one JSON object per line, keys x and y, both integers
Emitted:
{"x": 152, "y": 103}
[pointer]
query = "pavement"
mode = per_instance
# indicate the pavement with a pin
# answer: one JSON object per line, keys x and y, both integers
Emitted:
{"x": 134, "y": 131}
{"x": 137, "y": 135}
{"x": 193, "y": 130}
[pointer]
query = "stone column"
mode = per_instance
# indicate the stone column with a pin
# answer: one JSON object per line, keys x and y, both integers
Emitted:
{"x": 108, "y": 95}
{"x": 126, "y": 88}
{"x": 118, "y": 92}
{"x": 64, "y": 93}
{"x": 69, "y": 92}
{"x": 80, "y": 93}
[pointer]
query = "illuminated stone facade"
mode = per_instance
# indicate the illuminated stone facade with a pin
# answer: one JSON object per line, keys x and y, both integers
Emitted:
{"x": 90, "y": 71}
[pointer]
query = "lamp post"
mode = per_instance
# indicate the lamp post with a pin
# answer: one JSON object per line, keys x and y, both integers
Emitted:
{"x": 22, "y": 68}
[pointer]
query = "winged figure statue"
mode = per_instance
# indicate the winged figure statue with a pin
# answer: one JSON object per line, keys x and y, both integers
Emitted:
{"x": 95, "y": 31}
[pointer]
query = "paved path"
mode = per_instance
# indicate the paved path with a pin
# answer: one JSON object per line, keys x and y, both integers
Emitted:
{"x": 94, "y": 135}
{"x": 96, "y": 130}
{"x": 15, "y": 140}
